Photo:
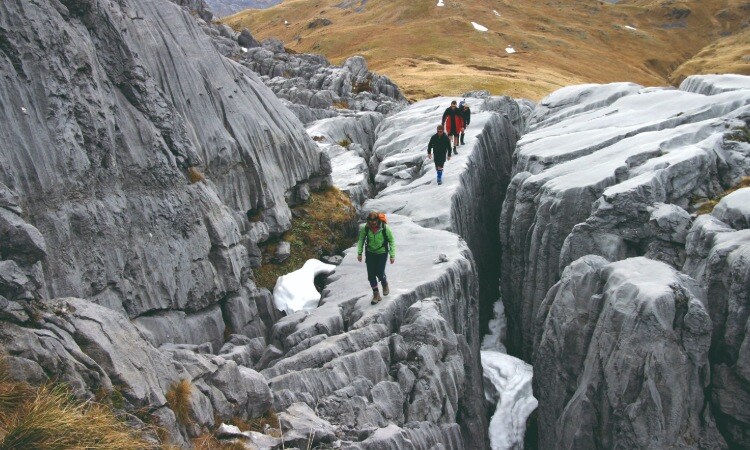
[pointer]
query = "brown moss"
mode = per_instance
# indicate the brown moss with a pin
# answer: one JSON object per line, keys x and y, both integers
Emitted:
{"x": 341, "y": 105}
{"x": 325, "y": 225}
{"x": 708, "y": 206}
{"x": 195, "y": 175}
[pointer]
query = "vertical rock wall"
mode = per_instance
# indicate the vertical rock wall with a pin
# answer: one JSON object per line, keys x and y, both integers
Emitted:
{"x": 599, "y": 244}
{"x": 106, "y": 107}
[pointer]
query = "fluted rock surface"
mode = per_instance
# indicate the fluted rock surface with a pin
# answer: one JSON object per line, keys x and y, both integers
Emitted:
{"x": 348, "y": 140}
{"x": 612, "y": 170}
{"x": 718, "y": 256}
{"x": 622, "y": 358}
{"x": 104, "y": 114}
{"x": 406, "y": 369}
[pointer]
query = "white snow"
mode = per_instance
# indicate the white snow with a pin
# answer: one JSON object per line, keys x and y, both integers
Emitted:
{"x": 494, "y": 339}
{"x": 244, "y": 50}
{"x": 510, "y": 49}
{"x": 628, "y": 27}
{"x": 296, "y": 291}
{"x": 478, "y": 27}
{"x": 496, "y": 13}
{"x": 440, "y": 3}
{"x": 507, "y": 383}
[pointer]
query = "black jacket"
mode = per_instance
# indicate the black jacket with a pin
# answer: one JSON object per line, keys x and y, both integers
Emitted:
{"x": 466, "y": 114}
{"x": 441, "y": 145}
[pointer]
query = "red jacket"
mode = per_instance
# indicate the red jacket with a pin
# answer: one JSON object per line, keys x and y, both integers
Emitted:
{"x": 452, "y": 120}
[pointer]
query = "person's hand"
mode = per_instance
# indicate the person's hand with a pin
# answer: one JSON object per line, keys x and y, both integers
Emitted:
{"x": 429, "y": 155}
{"x": 393, "y": 260}
{"x": 359, "y": 258}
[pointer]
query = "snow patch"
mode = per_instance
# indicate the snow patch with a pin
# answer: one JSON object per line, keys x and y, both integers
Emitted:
{"x": 296, "y": 291}
{"x": 494, "y": 339}
{"x": 478, "y": 27}
{"x": 507, "y": 383}
{"x": 440, "y": 3}
{"x": 628, "y": 27}
{"x": 510, "y": 49}
{"x": 496, "y": 13}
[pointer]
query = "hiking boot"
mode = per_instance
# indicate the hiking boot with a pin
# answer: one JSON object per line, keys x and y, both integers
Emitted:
{"x": 440, "y": 182}
{"x": 455, "y": 152}
{"x": 386, "y": 291}
{"x": 462, "y": 139}
{"x": 375, "y": 297}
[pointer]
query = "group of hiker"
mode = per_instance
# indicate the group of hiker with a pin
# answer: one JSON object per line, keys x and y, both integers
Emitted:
{"x": 452, "y": 127}
{"x": 375, "y": 238}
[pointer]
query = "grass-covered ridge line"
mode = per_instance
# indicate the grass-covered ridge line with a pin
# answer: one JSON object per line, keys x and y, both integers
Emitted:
{"x": 429, "y": 50}
{"x": 325, "y": 225}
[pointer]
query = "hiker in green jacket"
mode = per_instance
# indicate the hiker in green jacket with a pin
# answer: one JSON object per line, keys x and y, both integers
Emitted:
{"x": 377, "y": 241}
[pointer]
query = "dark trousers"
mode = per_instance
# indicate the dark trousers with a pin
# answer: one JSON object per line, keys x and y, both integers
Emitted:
{"x": 376, "y": 268}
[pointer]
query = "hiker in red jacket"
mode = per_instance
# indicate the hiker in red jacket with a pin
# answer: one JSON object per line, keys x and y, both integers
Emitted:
{"x": 454, "y": 124}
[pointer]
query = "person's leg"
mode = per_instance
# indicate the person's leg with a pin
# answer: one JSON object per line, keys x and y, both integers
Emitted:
{"x": 372, "y": 262}
{"x": 371, "y": 270}
{"x": 455, "y": 143}
{"x": 380, "y": 271}
{"x": 439, "y": 170}
{"x": 462, "y": 137}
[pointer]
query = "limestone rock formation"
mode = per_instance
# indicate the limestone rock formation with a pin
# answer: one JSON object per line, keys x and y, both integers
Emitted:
{"x": 410, "y": 361}
{"x": 718, "y": 256}
{"x": 612, "y": 170}
{"x": 348, "y": 140}
{"x": 131, "y": 158}
{"x": 622, "y": 358}
{"x": 599, "y": 244}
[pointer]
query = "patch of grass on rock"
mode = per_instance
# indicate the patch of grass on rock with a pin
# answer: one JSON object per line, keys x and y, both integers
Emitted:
{"x": 707, "y": 206}
{"x": 325, "y": 225}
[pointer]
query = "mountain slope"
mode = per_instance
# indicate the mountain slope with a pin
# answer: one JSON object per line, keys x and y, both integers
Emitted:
{"x": 226, "y": 7}
{"x": 430, "y": 50}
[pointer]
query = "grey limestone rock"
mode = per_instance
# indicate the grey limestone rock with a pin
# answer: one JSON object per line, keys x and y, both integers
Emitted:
{"x": 602, "y": 171}
{"x": 718, "y": 256}
{"x": 622, "y": 359}
{"x": 406, "y": 361}
{"x": 245, "y": 39}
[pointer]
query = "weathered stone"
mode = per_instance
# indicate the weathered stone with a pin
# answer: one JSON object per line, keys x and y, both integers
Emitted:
{"x": 636, "y": 328}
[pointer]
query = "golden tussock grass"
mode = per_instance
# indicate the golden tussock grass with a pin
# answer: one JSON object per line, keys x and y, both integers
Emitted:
{"x": 47, "y": 417}
{"x": 178, "y": 400}
{"x": 259, "y": 424}
{"x": 326, "y": 225}
{"x": 209, "y": 442}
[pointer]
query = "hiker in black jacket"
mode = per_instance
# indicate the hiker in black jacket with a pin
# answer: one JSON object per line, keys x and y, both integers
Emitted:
{"x": 453, "y": 122}
{"x": 466, "y": 114}
{"x": 440, "y": 143}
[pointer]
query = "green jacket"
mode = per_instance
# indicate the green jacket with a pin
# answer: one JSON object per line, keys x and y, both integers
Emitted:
{"x": 375, "y": 241}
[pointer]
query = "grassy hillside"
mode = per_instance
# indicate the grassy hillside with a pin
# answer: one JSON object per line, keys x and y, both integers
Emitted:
{"x": 430, "y": 50}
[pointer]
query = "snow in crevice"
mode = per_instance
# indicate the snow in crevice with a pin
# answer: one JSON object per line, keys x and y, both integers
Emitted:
{"x": 296, "y": 291}
{"x": 507, "y": 385}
